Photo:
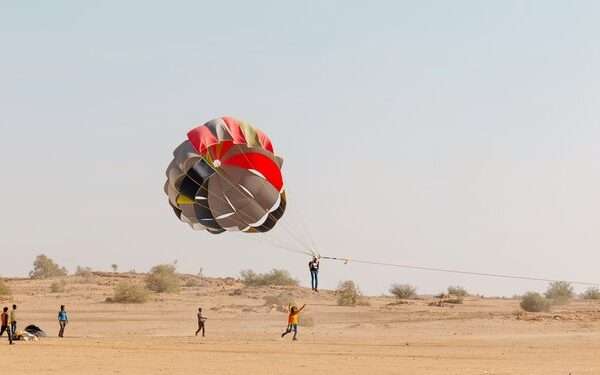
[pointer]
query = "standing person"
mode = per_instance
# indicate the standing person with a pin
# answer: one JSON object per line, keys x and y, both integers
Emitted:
{"x": 63, "y": 320}
{"x": 4, "y": 325}
{"x": 313, "y": 266}
{"x": 13, "y": 320}
{"x": 201, "y": 320}
{"x": 293, "y": 320}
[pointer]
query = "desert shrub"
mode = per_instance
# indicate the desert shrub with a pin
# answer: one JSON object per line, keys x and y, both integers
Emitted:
{"x": 457, "y": 291}
{"x": 44, "y": 267}
{"x": 58, "y": 286}
{"x": 4, "y": 289}
{"x": 273, "y": 277}
{"x": 591, "y": 293}
{"x": 456, "y": 300}
{"x": 163, "y": 279}
{"x": 348, "y": 293}
{"x": 403, "y": 291}
{"x": 192, "y": 282}
{"x": 127, "y": 292}
{"x": 535, "y": 302}
{"x": 281, "y": 299}
{"x": 559, "y": 291}
{"x": 115, "y": 267}
{"x": 85, "y": 273}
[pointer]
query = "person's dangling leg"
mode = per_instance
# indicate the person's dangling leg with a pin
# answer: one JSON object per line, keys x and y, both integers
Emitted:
{"x": 295, "y": 328}
{"x": 287, "y": 330}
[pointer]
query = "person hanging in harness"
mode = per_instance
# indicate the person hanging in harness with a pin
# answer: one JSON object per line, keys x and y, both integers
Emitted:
{"x": 313, "y": 266}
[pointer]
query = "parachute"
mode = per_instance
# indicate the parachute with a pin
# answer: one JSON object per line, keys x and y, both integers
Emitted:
{"x": 226, "y": 177}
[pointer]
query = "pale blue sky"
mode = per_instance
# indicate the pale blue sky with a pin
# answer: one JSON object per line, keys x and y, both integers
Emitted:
{"x": 457, "y": 134}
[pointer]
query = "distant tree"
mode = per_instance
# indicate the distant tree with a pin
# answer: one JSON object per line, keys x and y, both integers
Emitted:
{"x": 457, "y": 291}
{"x": 348, "y": 293}
{"x": 44, "y": 267}
{"x": 273, "y": 277}
{"x": 591, "y": 293}
{"x": 560, "y": 292}
{"x": 201, "y": 272}
{"x": 114, "y": 267}
{"x": 163, "y": 279}
{"x": 127, "y": 292}
{"x": 534, "y": 302}
{"x": 403, "y": 291}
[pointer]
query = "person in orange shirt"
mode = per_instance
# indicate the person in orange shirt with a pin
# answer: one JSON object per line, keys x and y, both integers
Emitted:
{"x": 293, "y": 320}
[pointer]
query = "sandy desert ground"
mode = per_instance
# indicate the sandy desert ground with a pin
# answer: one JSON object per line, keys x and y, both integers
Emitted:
{"x": 482, "y": 336}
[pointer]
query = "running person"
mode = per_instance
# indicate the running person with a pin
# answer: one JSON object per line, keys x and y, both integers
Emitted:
{"x": 293, "y": 320}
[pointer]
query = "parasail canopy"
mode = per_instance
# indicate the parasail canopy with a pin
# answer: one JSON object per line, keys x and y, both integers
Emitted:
{"x": 226, "y": 177}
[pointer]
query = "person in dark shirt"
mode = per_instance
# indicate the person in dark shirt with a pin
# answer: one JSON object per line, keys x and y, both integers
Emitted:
{"x": 313, "y": 266}
{"x": 4, "y": 325}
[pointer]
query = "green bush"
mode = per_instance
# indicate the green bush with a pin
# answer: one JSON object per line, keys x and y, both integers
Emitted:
{"x": 274, "y": 277}
{"x": 58, "y": 286}
{"x": 44, "y": 267}
{"x": 127, "y": 292}
{"x": 457, "y": 291}
{"x": 4, "y": 289}
{"x": 348, "y": 293}
{"x": 560, "y": 292}
{"x": 163, "y": 279}
{"x": 403, "y": 291}
{"x": 535, "y": 302}
{"x": 591, "y": 293}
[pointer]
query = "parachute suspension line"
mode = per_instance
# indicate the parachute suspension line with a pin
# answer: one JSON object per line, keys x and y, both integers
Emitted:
{"x": 460, "y": 272}
{"x": 306, "y": 230}
{"x": 265, "y": 240}
{"x": 302, "y": 245}
{"x": 291, "y": 234}
{"x": 283, "y": 223}
{"x": 262, "y": 239}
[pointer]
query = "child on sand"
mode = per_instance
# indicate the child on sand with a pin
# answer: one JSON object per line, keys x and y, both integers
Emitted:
{"x": 293, "y": 320}
{"x": 63, "y": 320}
{"x": 201, "y": 320}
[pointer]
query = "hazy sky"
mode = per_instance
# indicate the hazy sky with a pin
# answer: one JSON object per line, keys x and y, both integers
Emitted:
{"x": 458, "y": 134}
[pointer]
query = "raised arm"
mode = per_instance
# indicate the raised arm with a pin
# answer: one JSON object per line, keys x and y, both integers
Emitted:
{"x": 302, "y": 308}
